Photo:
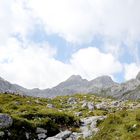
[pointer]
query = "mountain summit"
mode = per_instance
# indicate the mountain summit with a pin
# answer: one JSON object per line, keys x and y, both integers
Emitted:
{"x": 74, "y": 78}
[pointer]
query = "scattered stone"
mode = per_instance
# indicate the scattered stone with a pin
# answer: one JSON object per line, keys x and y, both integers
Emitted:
{"x": 72, "y": 100}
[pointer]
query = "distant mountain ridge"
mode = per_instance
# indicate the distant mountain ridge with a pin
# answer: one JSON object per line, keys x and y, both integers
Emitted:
{"x": 102, "y": 85}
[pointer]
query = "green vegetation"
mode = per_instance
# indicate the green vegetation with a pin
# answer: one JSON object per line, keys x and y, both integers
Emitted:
{"x": 54, "y": 115}
{"x": 28, "y": 113}
{"x": 121, "y": 125}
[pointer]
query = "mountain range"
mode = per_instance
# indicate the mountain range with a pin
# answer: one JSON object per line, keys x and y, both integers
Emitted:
{"x": 102, "y": 85}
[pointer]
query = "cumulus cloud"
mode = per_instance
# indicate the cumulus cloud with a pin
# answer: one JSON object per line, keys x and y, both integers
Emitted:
{"x": 80, "y": 20}
{"x": 15, "y": 19}
{"x": 35, "y": 66}
{"x": 90, "y": 63}
{"x": 131, "y": 70}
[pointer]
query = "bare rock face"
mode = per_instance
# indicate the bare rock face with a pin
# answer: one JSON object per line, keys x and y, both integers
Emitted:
{"x": 103, "y": 82}
{"x": 5, "y": 121}
{"x": 61, "y": 136}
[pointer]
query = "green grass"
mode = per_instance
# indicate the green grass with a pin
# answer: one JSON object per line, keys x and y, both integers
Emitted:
{"x": 28, "y": 113}
{"x": 122, "y": 125}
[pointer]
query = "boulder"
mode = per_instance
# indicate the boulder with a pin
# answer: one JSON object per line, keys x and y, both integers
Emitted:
{"x": 5, "y": 121}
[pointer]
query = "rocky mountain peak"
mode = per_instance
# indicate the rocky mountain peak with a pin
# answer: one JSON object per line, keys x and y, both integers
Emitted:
{"x": 103, "y": 81}
{"x": 138, "y": 76}
{"x": 75, "y": 78}
{"x": 1, "y": 79}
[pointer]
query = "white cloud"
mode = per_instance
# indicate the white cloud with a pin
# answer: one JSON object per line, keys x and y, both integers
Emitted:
{"x": 35, "y": 66}
{"x": 15, "y": 18}
{"x": 131, "y": 70}
{"x": 80, "y": 20}
{"x": 32, "y": 66}
{"x": 90, "y": 63}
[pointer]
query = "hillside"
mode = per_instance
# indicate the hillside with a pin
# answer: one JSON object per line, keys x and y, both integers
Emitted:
{"x": 72, "y": 117}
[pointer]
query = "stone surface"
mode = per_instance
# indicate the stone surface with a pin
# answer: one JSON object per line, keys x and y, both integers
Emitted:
{"x": 41, "y": 136}
{"x": 90, "y": 106}
{"x": 61, "y": 136}
{"x": 2, "y": 133}
{"x": 40, "y": 130}
{"x": 5, "y": 121}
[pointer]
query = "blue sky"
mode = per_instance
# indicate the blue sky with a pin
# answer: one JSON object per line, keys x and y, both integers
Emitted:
{"x": 43, "y": 42}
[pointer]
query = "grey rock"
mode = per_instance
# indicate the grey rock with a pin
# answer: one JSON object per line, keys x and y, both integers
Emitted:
{"x": 61, "y": 136}
{"x": 78, "y": 113}
{"x": 90, "y": 106}
{"x": 84, "y": 105}
{"x": 2, "y": 133}
{"x": 50, "y": 106}
{"x": 87, "y": 134}
{"x": 40, "y": 130}
{"x": 102, "y": 106}
{"x": 41, "y": 136}
{"x": 72, "y": 100}
{"x": 5, "y": 121}
{"x": 64, "y": 134}
{"x": 27, "y": 135}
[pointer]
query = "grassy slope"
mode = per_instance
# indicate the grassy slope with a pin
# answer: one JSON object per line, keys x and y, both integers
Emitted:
{"x": 29, "y": 113}
{"x": 33, "y": 112}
